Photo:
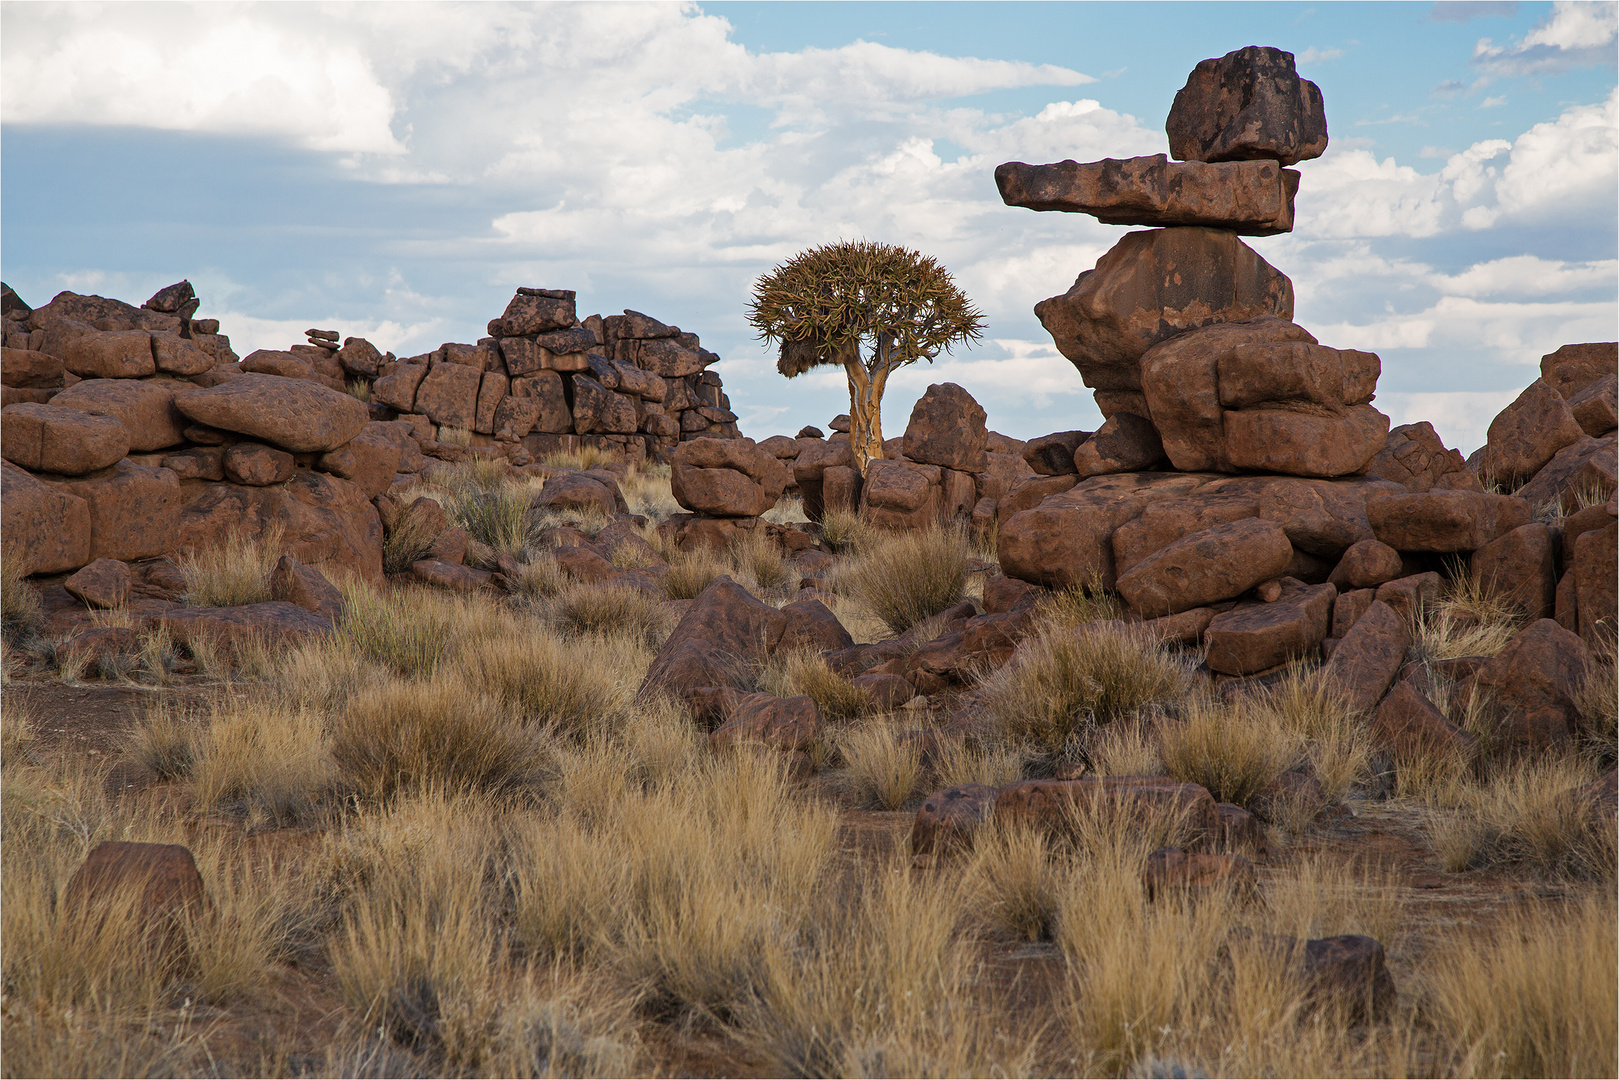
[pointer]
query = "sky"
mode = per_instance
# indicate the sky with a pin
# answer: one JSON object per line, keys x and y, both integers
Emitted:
{"x": 395, "y": 171}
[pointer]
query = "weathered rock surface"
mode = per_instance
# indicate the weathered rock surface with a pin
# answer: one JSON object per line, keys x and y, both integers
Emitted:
{"x": 327, "y": 523}
{"x": 1370, "y": 653}
{"x": 1124, "y": 443}
{"x": 1526, "y": 435}
{"x": 47, "y": 438}
{"x": 134, "y": 509}
{"x": 257, "y": 465}
{"x": 1444, "y": 521}
{"x": 947, "y": 429}
{"x": 948, "y": 820}
{"x": 292, "y": 414}
{"x": 305, "y": 587}
{"x": 1254, "y": 638}
{"x": 1520, "y": 569}
{"x": 1415, "y": 458}
{"x": 1217, "y": 563}
{"x": 1149, "y": 287}
{"x": 1572, "y": 368}
{"x": 1531, "y": 686}
{"x": 791, "y": 723}
{"x": 1248, "y": 104}
{"x": 1596, "y": 408}
{"x": 1252, "y": 198}
{"x": 1170, "y": 870}
{"x": 1366, "y": 565}
{"x": 726, "y": 477}
{"x": 45, "y": 530}
{"x": 144, "y": 406}
{"x": 723, "y": 632}
{"x": 1410, "y": 726}
{"x": 274, "y": 621}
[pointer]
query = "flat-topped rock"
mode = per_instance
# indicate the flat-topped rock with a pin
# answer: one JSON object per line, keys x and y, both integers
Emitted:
{"x": 294, "y": 414}
{"x": 1254, "y": 198}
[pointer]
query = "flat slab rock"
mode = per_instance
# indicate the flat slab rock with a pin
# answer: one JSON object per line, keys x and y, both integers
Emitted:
{"x": 1254, "y": 198}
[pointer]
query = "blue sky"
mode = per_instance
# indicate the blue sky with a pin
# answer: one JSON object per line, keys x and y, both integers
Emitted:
{"x": 394, "y": 171}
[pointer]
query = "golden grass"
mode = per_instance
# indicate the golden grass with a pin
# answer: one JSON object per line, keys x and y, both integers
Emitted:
{"x": 1232, "y": 750}
{"x": 406, "y": 630}
{"x": 1061, "y": 682}
{"x": 1020, "y": 883}
{"x": 646, "y": 491}
{"x": 690, "y": 572}
{"x": 20, "y": 608}
{"x": 1078, "y": 604}
{"x": 1470, "y": 619}
{"x": 906, "y": 577}
{"x": 882, "y": 762}
{"x": 759, "y": 561}
{"x": 407, "y": 542}
{"x": 165, "y": 741}
{"x": 790, "y": 672}
{"x": 1597, "y": 701}
{"x": 1525, "y": 814}
{"x": 537, "y": 679}
{"x": 1336, "y": 737}
{"x": 608, "y": 611}
{"x": 846, "y": 530}
{"x": 260, "y": 758}
{"x": 1535, "y": 996}
{"x": 585, "y": 457}
{"x": 1125, "y": 749}
{"x": 234, "y": 572}
{"x": 993, "y": 764}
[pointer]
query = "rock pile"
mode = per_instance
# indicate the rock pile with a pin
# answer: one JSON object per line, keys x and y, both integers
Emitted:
{"x": 1243, "y": 492}
{"x": 130, "y": 433}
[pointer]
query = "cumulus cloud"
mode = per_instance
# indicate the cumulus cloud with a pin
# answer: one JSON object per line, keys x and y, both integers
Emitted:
{"x": 1577, "y": 33}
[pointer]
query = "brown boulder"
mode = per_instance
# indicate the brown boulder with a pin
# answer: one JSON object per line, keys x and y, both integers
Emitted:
{"x": 1149, "y": 287}
{"x": 1253, "y": 198}
{"x": 1349, "y": 607}
{"x": 104, "y": 583}
{"x": 948, "y": 820}
{"x": 1170, "y": 870}
{"x": 790, "y": 723}
{"x": 1347, "y": 974}
{"x": 160, "y": 879}
{"x": 1444, "y": 521}
{"x": 1254, "y": 638}
{"x": 197, "y": 463}
{"x": 947, "y": 429}
{"x": 1415, "y": 458}
{"x": 1596, "y": 555}
{"x": 886, "y": 692}
{"x": 811, "y": 624}
{"x": 900, "y": 494}
{"x": 1370, "y": 653}
{"x": 598, "y": 409}
{"x": 1068, "y": 538}
{"x": 1531, "y": 687}
{"x": 397, "y": 389}
{"x": 257, "y": 465}
{"x": 576, "y": 491}
{"x": 46, "y": 531}
{"x": 725, "y": 477}
{"x": 1520, "y": 568}
{"x": 536, "y": 311}
{"x": 449, "y": 574}
{"x": 1572, "y": 368}
{"x": 1410, "y": 596}
{"x": 178, "y": 355}
{"x": 1052, "y": 804}
{"x": 1248, "y": 104}
{"x": 45, "y": 438}
{"x": 293, "y": 414}
{"x": 449, "y": 395}
{"x": 274, "y": 622}
{"x": 305, "y": 587}
{"x": 28, "y": 368}
{"x": 1217, "y": 563}
{"x": 1596, "y": 408}
{"x": 371, "y": 459}
{"x": 144, "y": 406}
{"x": 359, "y": 357}
{"x": 327, "y": 523}
{"x": 1053, "y": 455}
{"x": 1526, "y": 435}
{"x": 1164, "y": 521}
{"x": 1582, "y": 471}
{"x": 1304, "y": 444}
{"x": 722, "y": 634}
{"x": 1124, "y": 443}
{"x": 1366, "y": 565}
{"x": 119, "y": 354}
{"x": 1409, "y": 726}
{"x": 134, "y": 509}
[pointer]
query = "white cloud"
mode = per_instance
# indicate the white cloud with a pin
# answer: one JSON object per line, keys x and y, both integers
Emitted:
{"x": 1577, "y": 33}
{"x": 1493, "y": 102}
{"x": 1460, "y": 417}
{"x": 1313, "y": 55}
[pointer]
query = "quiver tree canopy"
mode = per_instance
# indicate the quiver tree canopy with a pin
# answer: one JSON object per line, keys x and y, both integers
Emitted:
{"x": 868, "y": 308}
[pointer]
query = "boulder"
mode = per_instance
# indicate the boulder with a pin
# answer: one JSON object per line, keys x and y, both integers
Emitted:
{"x": 1581, "y": 472}
{"x": 598, "y": 409}
{"x": 304, "y": 586}
{"x": 448, "y": 394}
{"x": 1415, "y": 458}
{"x": 725, "y": 477}
{"x": 104, "y": 583}
{"x": 1053, "y": 455}
{"x": 1053, "y": 804}
{"x": 535, "y": 311}
{"x": 45, "y": 530}
{"x": 1253, "y": 638}
{"x": 178, "y": 355}
{"x": 1124, "y": 443}
{"x": 46, "y": 438}
{"x": 160, "y": 879}
{"x": 886, "y": 692}
{"x": 1409, "y": 726}
{"x": 948, "y": 820}
{"x": 273, "y": 622}
{"x": 144, "y": 406}
{"x": 790, "y": 723}
{"x": 721, "y": 636}
{"x": 257, "y": 465}
{"x": 947, "y": 429}
{"x": 545, "y": 388}
{"x": 371, "y": 459}
{"x": 1248, "y": 104}
{"x": 1000, "y": 472}
{"x": 900, "y": 494}
{"x": 1526, "y": 435}
{"x": 1169, "y": 870}
{"x": 811, "y": 625}
{"x": 1531, "y": 687}
{"x": 1261, "y": 395}
{"x": 1347, "y": 975}
{"x": 28, "y": 368}
{"x": 178, "y": 299}
{"x": 1410, "y": 596}
{"x": 118, "y": 354}
{"x": 1151, "y": 286}
{"x": 1572, "y": 368}
{"x": 134, "y": 509}
{"x": 1370, "y": 653}
{"x": 1596, "y": 555}
{"x": 397, "y": 388}
{"x": 359, "y": 357}
{"x": 1348, "y": 608}
{"x": 327, "y": 523}
{"x": 449, "y": 574}
{"x": 1444, "y": 521}
{"x": 1596, "y": 408}
{"x": 1366, "y": 564}
{"x": 1520, "y": 569}
{"x": 293, "y": 414}
{"x": 1253, "y": 198}
{"x": 1216, "y": 563}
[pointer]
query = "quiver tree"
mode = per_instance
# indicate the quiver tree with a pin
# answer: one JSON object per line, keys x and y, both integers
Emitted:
{"x": 868, "y": 308}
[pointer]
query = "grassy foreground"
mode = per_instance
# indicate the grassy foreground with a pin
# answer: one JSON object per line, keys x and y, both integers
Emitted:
{"x": 451, "y": 839}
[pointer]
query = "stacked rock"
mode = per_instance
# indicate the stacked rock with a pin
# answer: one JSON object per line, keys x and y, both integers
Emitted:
{"x": 1184, "y": 333}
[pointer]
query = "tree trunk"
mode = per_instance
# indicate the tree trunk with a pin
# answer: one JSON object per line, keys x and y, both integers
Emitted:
{"x": 865, "y": 413}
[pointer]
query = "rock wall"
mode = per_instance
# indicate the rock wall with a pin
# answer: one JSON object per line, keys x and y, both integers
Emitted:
{"x": 129, "y": 432}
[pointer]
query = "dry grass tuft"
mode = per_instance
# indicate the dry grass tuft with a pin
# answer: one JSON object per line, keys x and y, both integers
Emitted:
{"x": 1126, "y": 749}
{"x": 260, "y": 758}
{"x": 407, "y": 543}
{"x": 805, "y": 671}
{"x": 1598, "y": 705}
{"x": 1021, "y": 884}
{"x": 585, "y": 457}
{"x": 234, "y": 572}
{"x": 904, "y": 578}
{"x": 690, "y": 572}
{"x": 960, "y": 761}
{"x": 1079, "y": 604}
{"x": 1533, "y": 997}
{"x": 1526, "y": 815}
{"x": 758, "y": 559}
{"x": 1470, "y": 619}
{"x": 1336, "y": 737}
{"x": 846, "y": 530}
{"x": 1063, "y": 681}
{"x": 406, "y": 630}
{"x": 575, "y": 688}
{"x": 497, "y": 519}
{"x": 20, "y": 608}
{"x": 166, "y": 741}
{"x": 608, "y": 611}
{"x": 882, "y": 763}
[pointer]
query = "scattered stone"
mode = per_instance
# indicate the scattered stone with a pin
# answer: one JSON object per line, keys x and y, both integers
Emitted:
{"x": 790, "y": 723}
{"x": 811, "y": 625}
{"x": 948, "y": 820}
{"x": 306, "y": 587}
{"x": 1347, "y": 974}
{"x": 1170, "y": 870}
{"x": 104, "y": 583}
